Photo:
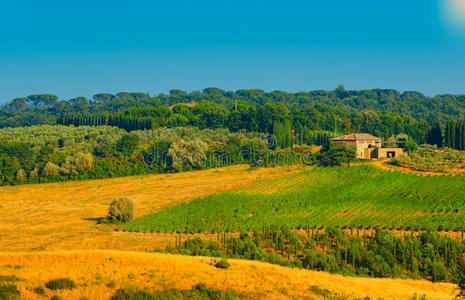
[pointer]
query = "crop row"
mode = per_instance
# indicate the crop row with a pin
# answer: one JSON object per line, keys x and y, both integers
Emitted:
{"x": 360, "y": 196}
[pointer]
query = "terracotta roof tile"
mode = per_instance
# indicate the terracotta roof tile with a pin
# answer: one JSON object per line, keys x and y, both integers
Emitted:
{"x": 357, "y": 137}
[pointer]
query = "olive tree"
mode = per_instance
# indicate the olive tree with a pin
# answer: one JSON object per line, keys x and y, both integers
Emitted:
{"x": 21, "y": 175}
{"x": 79, "y": 163}
{"x": 121, "y": 209}
{"x": 50, "y": 170}
{"x": 186, "y": 155}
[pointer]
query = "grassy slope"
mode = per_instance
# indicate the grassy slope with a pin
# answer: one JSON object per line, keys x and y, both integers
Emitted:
{"x": 54, "y": 217}
{"x": 93, "y": 270}
{"x": 62, "y": 216}
{"x": 350, "y": 196}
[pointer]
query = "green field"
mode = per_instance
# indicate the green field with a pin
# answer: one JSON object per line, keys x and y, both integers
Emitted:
{"x": 360, "y": 196}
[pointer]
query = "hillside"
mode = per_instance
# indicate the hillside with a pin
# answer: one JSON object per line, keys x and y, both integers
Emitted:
{"x": 99, "y": 274}
{"x": 361, "y": 197}
{"x": 63, "y": 216}
{"x": 232, "y": 150}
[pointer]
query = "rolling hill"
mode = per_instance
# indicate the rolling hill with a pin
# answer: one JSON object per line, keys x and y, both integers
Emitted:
{"x": 63, "y": 216}
{"x": 41, "y": 221}
{"x": 98, "y": 274}
{"x": 362, "y": 197}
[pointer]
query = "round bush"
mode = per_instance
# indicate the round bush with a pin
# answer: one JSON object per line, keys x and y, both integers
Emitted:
{"x": 223, "y": 264}
{"x": 39, "y": 290}
{"x": 9, "y": 291}
{"x": 60, "y": 284}
{"x": 122, "y": 209}
{"x": 133, "y": 292}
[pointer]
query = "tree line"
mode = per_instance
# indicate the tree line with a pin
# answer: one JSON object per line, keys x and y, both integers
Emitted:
{"x": 125, "y": 122}
{"x": 373, "y": 253}
{"x": 411, "y": 103}
{"x": 268, "y": 118}
{"x": 381, "y": 112}
{"x": 453, "y": 136}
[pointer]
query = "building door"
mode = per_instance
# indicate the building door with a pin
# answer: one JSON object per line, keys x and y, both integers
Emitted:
{"x": 391, "y": 154}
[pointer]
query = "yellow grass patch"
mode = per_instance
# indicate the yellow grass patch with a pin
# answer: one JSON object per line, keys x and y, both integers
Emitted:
{"x": 94, "y": 270}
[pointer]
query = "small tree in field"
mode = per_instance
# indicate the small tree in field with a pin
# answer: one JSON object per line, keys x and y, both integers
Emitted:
{"x": 223, "y": 264}
{"x": 121, "y": 209}
{"x": 338, "y": 154}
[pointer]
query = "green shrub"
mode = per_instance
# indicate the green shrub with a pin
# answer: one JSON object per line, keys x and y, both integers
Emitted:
{"x": 223, "y": 264}
{"x": 121, "y": 209}
{"x": 39, "y": 290}
{"x": 158, "y": 250}
{"x": 60, "y": 284}
{"x": 200, "y": 291}
{"x": 8, "y": 278}
{"x": 55, "y": 297}
{"x": 319, "y": 291}
{"x": 133, "y": 292}
{"x": 9, "y": 291}
{"x": 111, "y": 284}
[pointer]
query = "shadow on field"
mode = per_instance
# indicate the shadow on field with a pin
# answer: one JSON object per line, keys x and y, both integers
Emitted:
{"x": 93, "y": 219}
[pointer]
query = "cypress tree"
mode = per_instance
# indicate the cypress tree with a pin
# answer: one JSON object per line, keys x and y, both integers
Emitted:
{"x": 452, "y": 135}
{"x": 462, "y": 135}
{"x": 447, "y": 134}
{"x": 435, "y": 135}
{"x": 457, "y": 134}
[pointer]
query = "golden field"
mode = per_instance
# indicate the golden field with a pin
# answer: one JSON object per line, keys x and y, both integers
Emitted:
{"x": 63, "y": 216}
{"x": 94, "y": 270}
{"x": 50, "y": 231}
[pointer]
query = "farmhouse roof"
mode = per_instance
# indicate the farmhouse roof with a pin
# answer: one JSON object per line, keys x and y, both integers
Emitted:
{"x": 189, "y": 104}
{"x": 357, "y": 137}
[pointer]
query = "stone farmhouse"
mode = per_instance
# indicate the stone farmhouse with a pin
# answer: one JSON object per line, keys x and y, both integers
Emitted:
{"x": 368, "y": 146}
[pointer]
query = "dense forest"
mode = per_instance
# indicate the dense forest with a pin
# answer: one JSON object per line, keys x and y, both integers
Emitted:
{"x": 384, "y": 113}
{"x": 43, "y": 138}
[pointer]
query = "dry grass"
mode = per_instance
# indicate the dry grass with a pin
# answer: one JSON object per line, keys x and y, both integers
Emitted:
{"x": 62, "y": 216}
{"x": 93, "y": 270}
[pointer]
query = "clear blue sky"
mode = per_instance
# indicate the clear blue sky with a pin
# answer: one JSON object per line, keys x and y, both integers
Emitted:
{"x": 79, "y": 48}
